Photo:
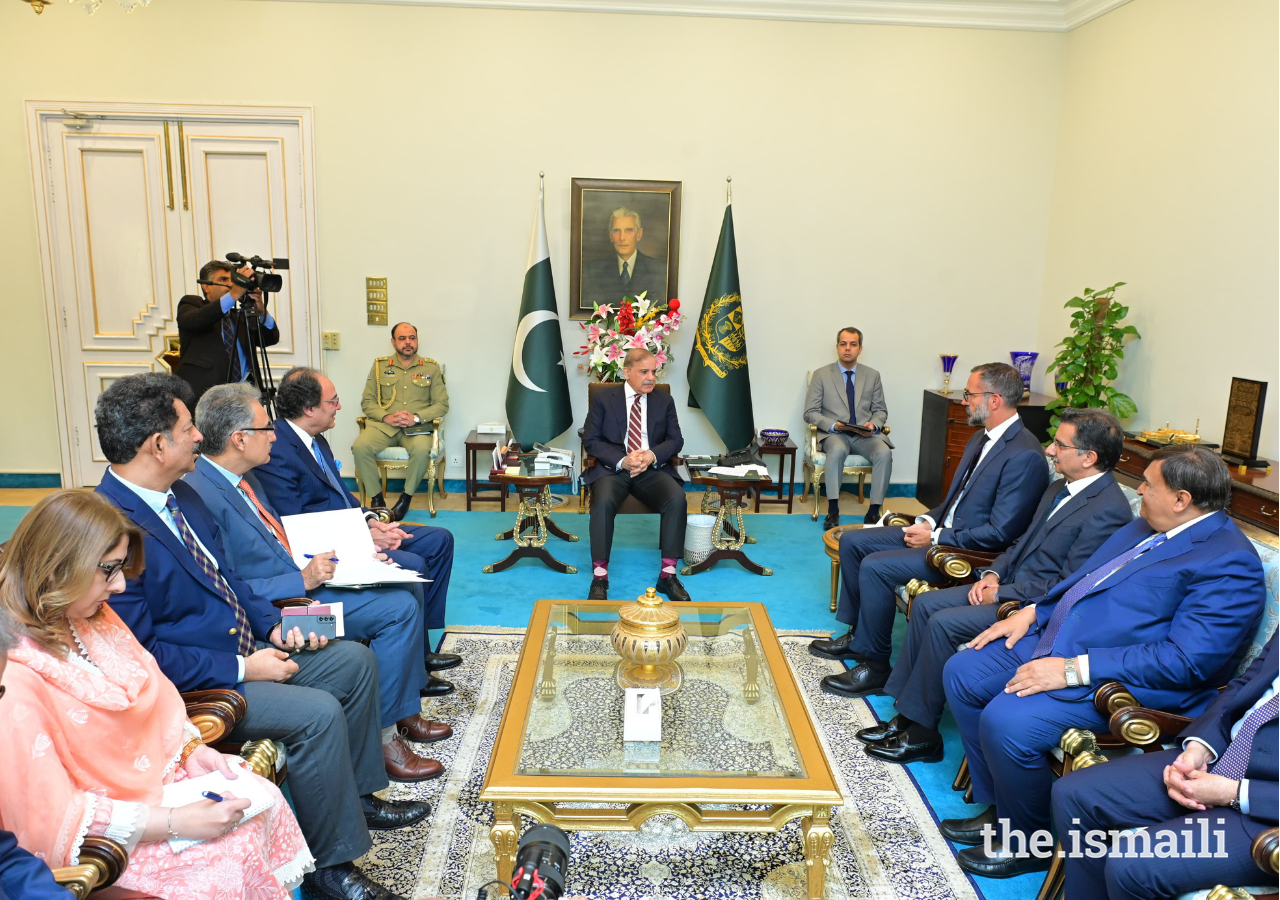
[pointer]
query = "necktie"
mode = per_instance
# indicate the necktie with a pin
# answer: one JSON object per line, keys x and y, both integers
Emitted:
{"x": 848, "y": 390}
{"x": 244, "y": 636}
{"x": 626, "y": 274}
{"x": 1053, "y": 507}
{"x": 1083, "y": 587}
{"x": 328, "y": 472}
{"x": 268, "y": 519}
{"x": 1234, "y": 762}
{"x": 964, "y": 482}
{"x": 633, "y": 426}
{"x": 233, "y": 351}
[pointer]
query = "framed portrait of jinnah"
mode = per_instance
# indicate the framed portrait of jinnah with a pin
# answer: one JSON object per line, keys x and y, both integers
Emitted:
{"x": 624, "y": 240}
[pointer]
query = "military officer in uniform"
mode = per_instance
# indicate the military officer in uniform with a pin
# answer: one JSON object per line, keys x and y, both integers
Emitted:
{"x": 404, "y": 393}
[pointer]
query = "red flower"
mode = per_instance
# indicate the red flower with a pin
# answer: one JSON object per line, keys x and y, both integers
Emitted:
{"x": 626, "y": 319}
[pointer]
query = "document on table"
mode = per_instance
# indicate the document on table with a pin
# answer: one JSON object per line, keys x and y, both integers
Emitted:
{"x": 345, "y": 532}
{"x": 740, "y": 471}
{"x": 184, "y": 793}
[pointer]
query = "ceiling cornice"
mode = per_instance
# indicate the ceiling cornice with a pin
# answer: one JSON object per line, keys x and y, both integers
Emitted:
{"x": 1015, "y": 15}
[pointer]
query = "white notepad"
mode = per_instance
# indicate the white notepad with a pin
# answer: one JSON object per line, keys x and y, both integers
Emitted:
{"x": 345, "y": 532}
{"x": 183, "y": 793}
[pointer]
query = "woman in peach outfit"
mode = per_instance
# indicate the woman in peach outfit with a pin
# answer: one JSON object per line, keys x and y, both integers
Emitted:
{"x": 93, "y": 731}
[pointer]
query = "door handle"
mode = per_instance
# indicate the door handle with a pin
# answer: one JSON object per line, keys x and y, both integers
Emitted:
{"x": 182, "y": 165}
{"x": 168, "y": 162}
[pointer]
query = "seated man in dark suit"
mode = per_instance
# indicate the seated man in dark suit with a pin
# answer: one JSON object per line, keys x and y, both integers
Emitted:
{"x": 1224, "y": 773}
{"x": 302, "y": 476}
{"x": 206, "y": 332}
{"x": 1164, "y": 606}
{"x": 207, "y": 629}
{"x": 22, "y": 876}
{"x": 998, "y": 483}
{"x": 626, "y": 272}
{"x": 236, "y": 436}
{"x": 1076, "y": 514}
{"x": 632, "y": 432}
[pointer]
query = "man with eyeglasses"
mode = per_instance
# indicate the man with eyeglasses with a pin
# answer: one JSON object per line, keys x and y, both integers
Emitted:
{"x": 1076, "y": 514}
{"x": 212, "y": 353}
{"x": 302, "y": 476}
{"x": 997, "y": 484}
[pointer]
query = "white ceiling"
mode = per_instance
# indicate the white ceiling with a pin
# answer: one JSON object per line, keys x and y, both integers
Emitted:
{"x": 1019, "y": 15}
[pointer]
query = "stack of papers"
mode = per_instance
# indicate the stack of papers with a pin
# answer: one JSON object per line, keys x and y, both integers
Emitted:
{"x": 345, "y": 532}
{"x": 739, "y": 471}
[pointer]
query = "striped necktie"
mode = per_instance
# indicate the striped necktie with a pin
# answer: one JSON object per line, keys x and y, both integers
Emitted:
{"x": 633, "y": 426}
{"x": 1083, "y": 587}
{"x": 267, "y": 519}
{"x": 1234, "y": 762}
{"x": 244, "y": 636}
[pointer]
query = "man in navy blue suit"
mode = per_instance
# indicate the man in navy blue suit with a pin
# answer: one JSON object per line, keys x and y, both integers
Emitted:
{"x": 1225, "y": 774}
{"x": 632, "y": 432}
{"x": 999, "y": 481}
{"x": 1165, "y": 607}
{"x": 207, "y": 629}
{"x": 236, "y": 436}
{"x": 1076, "y": 514}
{"x": 302, "y": 477}
{"x": 22, "y": 876}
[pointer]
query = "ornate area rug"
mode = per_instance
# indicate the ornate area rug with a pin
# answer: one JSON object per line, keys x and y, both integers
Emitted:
{"x": 886, "y": 842}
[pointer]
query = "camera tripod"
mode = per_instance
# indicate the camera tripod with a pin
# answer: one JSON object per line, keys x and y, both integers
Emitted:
{"x": 247, "y": 320}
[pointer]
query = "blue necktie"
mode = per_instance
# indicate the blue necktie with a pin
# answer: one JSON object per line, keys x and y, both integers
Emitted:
{"x": 328, "y": 472}
{"x": 1083, "y": 587}
{"x": 233, "y": 349}
{"x": 1061, "y": 495}
{"x": 848, "y": 389}
{"x": 1234, "y": 762}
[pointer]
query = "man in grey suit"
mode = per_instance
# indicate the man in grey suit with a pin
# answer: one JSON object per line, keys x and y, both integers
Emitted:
{"x": 845, "y": 393}
{"x": 626, "y": 272}
{"x": 1076, "y": 515}
{"x": 236, "y": 437}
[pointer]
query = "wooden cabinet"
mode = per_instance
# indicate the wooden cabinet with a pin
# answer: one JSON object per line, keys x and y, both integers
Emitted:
{"x": 944, "y": 432}
{"x": 1254, "y": 497}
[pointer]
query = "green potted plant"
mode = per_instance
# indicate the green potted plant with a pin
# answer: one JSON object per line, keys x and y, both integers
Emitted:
{"x": 1087, "y": 363}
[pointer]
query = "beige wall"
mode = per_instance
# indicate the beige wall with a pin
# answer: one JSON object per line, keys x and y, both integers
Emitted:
{"x": 895, "y": 178}
{"x": 1166, "y": 178}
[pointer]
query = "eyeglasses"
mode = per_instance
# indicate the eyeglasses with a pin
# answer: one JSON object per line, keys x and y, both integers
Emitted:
{"x": 263, "y": 428}
{"x": 334, "y": 401}
{"x": 111, "y": 570}
{"x": 968, "y": 394}
{"x": 1061, "y": 446}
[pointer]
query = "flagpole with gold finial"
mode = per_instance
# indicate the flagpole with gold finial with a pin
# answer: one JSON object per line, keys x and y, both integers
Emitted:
{"x": 728, "y": 190}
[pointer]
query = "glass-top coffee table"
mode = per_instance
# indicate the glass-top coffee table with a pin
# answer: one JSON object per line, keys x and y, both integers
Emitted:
{"x": 736, "y": 734}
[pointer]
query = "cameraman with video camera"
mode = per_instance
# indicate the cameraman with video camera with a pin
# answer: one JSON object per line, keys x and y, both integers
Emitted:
{"x": 207, "y": 333}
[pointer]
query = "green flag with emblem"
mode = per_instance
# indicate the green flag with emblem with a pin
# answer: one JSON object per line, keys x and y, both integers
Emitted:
{"x": 719, "y": 379}
{"x": 538, "y": 389}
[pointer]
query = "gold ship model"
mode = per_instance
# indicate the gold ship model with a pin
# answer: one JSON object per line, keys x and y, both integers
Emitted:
{"x": 1167, "y": 435}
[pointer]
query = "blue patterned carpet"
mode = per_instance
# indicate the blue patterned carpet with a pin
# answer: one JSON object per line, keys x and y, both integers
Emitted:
{"x": 797, "y": 596}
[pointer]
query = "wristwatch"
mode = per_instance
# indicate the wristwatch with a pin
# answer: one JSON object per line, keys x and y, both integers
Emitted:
{"x": 1234, "y": 803}
{"x": 1073, "y": 676}
{"x": 417, "y": 419}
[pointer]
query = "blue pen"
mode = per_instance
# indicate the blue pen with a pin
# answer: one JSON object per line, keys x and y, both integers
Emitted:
{"x": 210, "y": 795}
{"x": 313, "y": 556}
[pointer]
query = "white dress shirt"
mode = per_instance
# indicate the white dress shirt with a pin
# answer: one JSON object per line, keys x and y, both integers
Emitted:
{"x": 993, "y": 435}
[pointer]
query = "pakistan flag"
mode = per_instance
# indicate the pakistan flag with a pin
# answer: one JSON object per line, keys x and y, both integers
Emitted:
{"x": 538, "y": 390}
{"x": 719, "y": 380}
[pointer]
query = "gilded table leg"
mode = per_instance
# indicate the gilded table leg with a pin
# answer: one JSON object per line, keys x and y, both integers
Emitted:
{"x": 835, "y": 583}
{"x": 505, "y": 834}
{"x": 818, "y": 839}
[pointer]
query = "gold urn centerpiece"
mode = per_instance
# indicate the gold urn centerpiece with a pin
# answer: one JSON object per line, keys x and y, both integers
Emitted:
{"x": 649, "y": 638}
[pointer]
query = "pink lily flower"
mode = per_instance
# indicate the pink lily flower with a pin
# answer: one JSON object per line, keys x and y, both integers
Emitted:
{"x": 614, "y": 353}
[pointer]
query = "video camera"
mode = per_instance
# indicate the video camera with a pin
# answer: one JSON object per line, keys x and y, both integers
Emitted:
{"x": 259, "y": 280}
{"x": 541, "y": 864}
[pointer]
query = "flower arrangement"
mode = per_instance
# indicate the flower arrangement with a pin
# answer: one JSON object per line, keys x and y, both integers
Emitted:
{"x": 634, "y": 324}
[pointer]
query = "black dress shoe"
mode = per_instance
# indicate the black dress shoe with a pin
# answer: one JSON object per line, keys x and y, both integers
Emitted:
{"x": 860, "y": 681}
{"x": 875, "y": 733}
{"x": 916, "y": 744}
{"x": 438, "y": 662}
{"x": 871, "y": 518}
{"x": 831, "y": 521}
{"x": 968, "y": 831}
{"x": 387, "y": 814}
{"x": 343, "y": 882}
{"x": 401, "y": 509}
{"x": 436, "y": 687}
{"x": 377, "y": 502}
{"x": 1000, "y": 863}
{"x": 672, "y": 587}
{"x": 835, "y": 648}
{"x": 599, "y": 589}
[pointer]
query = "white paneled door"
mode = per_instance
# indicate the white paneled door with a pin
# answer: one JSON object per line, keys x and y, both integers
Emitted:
{"x": 133, "y": 200}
